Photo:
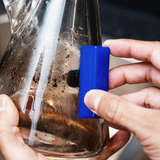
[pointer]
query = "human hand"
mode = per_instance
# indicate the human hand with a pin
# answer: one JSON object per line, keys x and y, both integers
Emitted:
{"x": 137, "y": 112}
{"x": 12, "y": 145}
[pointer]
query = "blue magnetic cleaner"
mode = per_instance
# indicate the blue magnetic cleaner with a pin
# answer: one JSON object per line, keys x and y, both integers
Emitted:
{"x": 94, "y": 74}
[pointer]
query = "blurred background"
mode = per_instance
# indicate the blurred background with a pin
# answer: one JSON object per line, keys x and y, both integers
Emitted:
{"x": 133, "y": 19}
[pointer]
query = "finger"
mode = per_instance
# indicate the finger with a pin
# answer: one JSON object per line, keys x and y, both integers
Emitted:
{"x": 134, "y": 74}
{"x": 121, "y": 112}
{"x": 115, "y": 144}
{"x": 140, "y": 50}
{"x": 148, "y": 97}
{"x": 12, "y": 145}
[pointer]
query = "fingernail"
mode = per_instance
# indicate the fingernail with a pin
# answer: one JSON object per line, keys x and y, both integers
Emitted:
{"x": 92, "y": 99}
{"x": 105, "y": 44}
{"x": 93, "y": 111}
{"x": 3, "y": 103}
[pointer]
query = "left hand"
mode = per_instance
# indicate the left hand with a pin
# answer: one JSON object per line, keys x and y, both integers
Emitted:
{"x": 12, "y": 145}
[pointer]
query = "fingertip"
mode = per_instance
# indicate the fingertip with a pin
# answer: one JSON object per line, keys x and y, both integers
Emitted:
{"x": 86, "y": 98}
{"x": 106, "y": 43}
{"x": 6, "y": 99}
{"x": 8, "y": 112}
{"x": 3, "y": 102}
{"x": 90, "y": 95}
{"x": 109, "y": 42}
{"x": 92, "y": 99}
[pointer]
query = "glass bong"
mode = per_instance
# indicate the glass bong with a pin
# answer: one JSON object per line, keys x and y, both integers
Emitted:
{"x": 46, "y": 36}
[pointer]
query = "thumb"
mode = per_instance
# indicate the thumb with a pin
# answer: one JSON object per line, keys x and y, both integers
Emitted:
{"x": 118, "y": 112}
{"x": 12, "y": 145}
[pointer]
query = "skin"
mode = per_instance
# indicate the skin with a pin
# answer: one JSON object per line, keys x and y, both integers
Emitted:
{"x": 12, "y": 145}
{"x": 137, "y": 112}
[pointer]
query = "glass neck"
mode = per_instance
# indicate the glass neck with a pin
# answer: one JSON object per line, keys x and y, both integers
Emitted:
{"x": 19, "y": 12}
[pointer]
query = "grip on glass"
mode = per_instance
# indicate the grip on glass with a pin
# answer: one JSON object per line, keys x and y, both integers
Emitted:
{"x": 94, "y": 74}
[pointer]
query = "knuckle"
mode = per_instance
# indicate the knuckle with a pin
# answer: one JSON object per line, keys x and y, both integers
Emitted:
{"x": 15, "y": 130}
{"x": 112, "y": 110}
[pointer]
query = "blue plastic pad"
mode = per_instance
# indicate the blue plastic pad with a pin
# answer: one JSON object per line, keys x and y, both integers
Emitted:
{"x": 94, "y": 74}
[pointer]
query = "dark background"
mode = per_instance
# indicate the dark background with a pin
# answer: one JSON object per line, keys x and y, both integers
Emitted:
{"x": 135, "y": 19}
{"x": 2, "y": 9}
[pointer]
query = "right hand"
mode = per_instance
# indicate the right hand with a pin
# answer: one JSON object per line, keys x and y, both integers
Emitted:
{"x": 137, "y": 112}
